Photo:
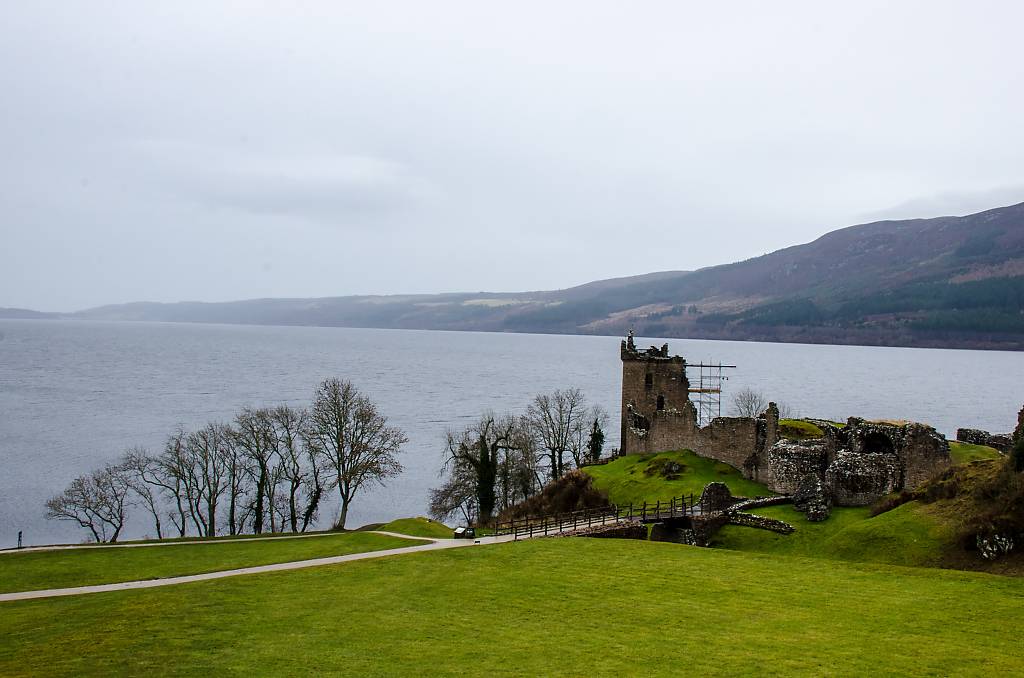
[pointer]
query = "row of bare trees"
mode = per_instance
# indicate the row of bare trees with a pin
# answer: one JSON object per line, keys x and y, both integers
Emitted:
{"x": 502, "y": 460}
{"x": 271, "y": 469}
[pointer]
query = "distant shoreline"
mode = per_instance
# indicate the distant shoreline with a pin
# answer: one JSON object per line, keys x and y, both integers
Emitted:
{"x": 783, "y": 335}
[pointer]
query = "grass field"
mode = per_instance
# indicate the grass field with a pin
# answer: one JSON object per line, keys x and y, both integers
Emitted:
{"x": 32, "y": 570}
{"x": 637, "y": 478}
{"x": 418, "y": 527}
{"x": 541, "y": 607}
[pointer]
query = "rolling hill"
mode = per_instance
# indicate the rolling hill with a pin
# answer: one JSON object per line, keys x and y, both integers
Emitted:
{"x": 943, "y": 282}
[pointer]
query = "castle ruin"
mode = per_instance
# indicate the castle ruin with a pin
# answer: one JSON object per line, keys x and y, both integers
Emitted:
{"x": 858, "y": 462}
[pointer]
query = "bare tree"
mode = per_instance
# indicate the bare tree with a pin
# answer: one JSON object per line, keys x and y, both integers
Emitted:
{"x": 208, "y": 474}
{"x": 748, "y": 403}
{"x": 477, "y": 453}
{"x": 519, "y": 475}
{"x": 588, "y": 430}
{"x": 458, "y": 494}
{"x": 254, "y": 433}
{"x": 355, "y": 438}
{"x": 143, "y": 474}
{"x": 299, "y": 463}
{"x": 556, "y": 420}
{"x": 171, "y": 474}
{"x": 96, "y": 501}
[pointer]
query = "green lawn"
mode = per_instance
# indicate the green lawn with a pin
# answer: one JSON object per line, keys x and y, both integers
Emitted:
{"x": 26, "y": 571}
{"x": 964, "y": 453}
{"x": 418, "y": 527}
{"x": 541, "y": 607}
{"x": 634, "y": 478}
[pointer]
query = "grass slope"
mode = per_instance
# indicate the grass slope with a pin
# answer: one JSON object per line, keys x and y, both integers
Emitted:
{"x": 911, "y": 535}
{"x": 635, "y": 478}
{"x": 542, "y": 607}
{"x": 798, "y": 429}
{"x": 33, "y": 570}
{"x": 965, "y": 453}
{"x": 418, "y": 527}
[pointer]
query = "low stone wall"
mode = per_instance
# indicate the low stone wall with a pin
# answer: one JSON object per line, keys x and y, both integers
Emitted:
{"x": 611, "y": 531}
{"x": 761, "y": 502}
{"x": 760, "y": 522}
{"x": 975, "y": 436}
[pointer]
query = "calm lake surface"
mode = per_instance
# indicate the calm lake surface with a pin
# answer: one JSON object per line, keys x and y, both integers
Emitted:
{"x": 75, "y": 394}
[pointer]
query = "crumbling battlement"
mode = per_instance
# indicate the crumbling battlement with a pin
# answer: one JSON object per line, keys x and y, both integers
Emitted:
{"x": 858, "y": 463}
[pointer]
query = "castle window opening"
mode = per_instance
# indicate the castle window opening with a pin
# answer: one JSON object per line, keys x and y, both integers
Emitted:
{"x": 648, "y": 380}
{"x": 661, "y": 402}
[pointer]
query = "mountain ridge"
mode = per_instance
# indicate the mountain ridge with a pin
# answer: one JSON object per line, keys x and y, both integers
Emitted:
{"x": 954, "y": 282}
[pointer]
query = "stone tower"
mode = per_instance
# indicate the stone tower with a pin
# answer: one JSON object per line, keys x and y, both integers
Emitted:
{"x": 656, "y": 407}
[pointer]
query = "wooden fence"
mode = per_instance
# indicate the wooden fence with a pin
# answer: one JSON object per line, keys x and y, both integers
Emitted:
{"x": 553, "y": 524}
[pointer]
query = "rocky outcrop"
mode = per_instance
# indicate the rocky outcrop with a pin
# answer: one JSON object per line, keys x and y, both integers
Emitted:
{"x": 994, "y": 546}
{"x": 859, "y": 479}
{"x": 813, "y": 498}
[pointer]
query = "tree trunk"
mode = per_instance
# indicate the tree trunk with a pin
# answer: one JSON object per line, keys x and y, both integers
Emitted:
{"x": 314, "y": 503}
{"x": 261, "y": 487}
{"x": 343, "y": 516}
{"x": 292, "y": 516}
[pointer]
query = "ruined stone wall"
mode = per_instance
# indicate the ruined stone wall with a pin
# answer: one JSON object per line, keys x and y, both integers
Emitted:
{"x": 923, "y": 453}
{"x": 654, "y": 386}
{"x": 858, "y": 463}
{"x": 1000, "y": 441}
{"x": 657, "y": 414}
{"x": 729, "y": 439}
{"x": 783, "y": 466}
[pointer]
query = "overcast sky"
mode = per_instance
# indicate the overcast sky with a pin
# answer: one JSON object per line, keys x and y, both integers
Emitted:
{"x": 172, "y": 150}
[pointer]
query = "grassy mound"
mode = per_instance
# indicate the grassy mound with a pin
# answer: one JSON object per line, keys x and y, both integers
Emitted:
{"x": 34, "y": 570}
{"x": 798, "y": 429}
{"x": 965, "y": 453}
{"x": 418, "y": 527}
{"x": 633, "y": 608}
{"x": 806, "y": 541}
{"x": 637, "y": 478}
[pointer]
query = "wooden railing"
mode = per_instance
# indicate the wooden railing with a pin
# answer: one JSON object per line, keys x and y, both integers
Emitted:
{"x": 676, "y": 507}
{"x": 553, "y": 524}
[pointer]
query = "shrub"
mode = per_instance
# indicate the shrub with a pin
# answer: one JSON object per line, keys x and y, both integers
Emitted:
{"x": 574, "y": 491}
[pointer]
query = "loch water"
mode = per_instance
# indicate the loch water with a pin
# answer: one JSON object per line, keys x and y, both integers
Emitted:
{"x": 75, "y": 394}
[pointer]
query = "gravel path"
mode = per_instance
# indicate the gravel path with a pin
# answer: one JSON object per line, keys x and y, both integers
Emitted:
{"x": 431, "y": 545}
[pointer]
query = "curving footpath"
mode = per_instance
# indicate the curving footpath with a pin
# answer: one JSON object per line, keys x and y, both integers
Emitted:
{"x": 432, "y": 545}
{"x": 179, "y": 542}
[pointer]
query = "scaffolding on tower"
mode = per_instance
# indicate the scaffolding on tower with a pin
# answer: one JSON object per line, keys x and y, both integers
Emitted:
{"x": 706, "y": 385}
